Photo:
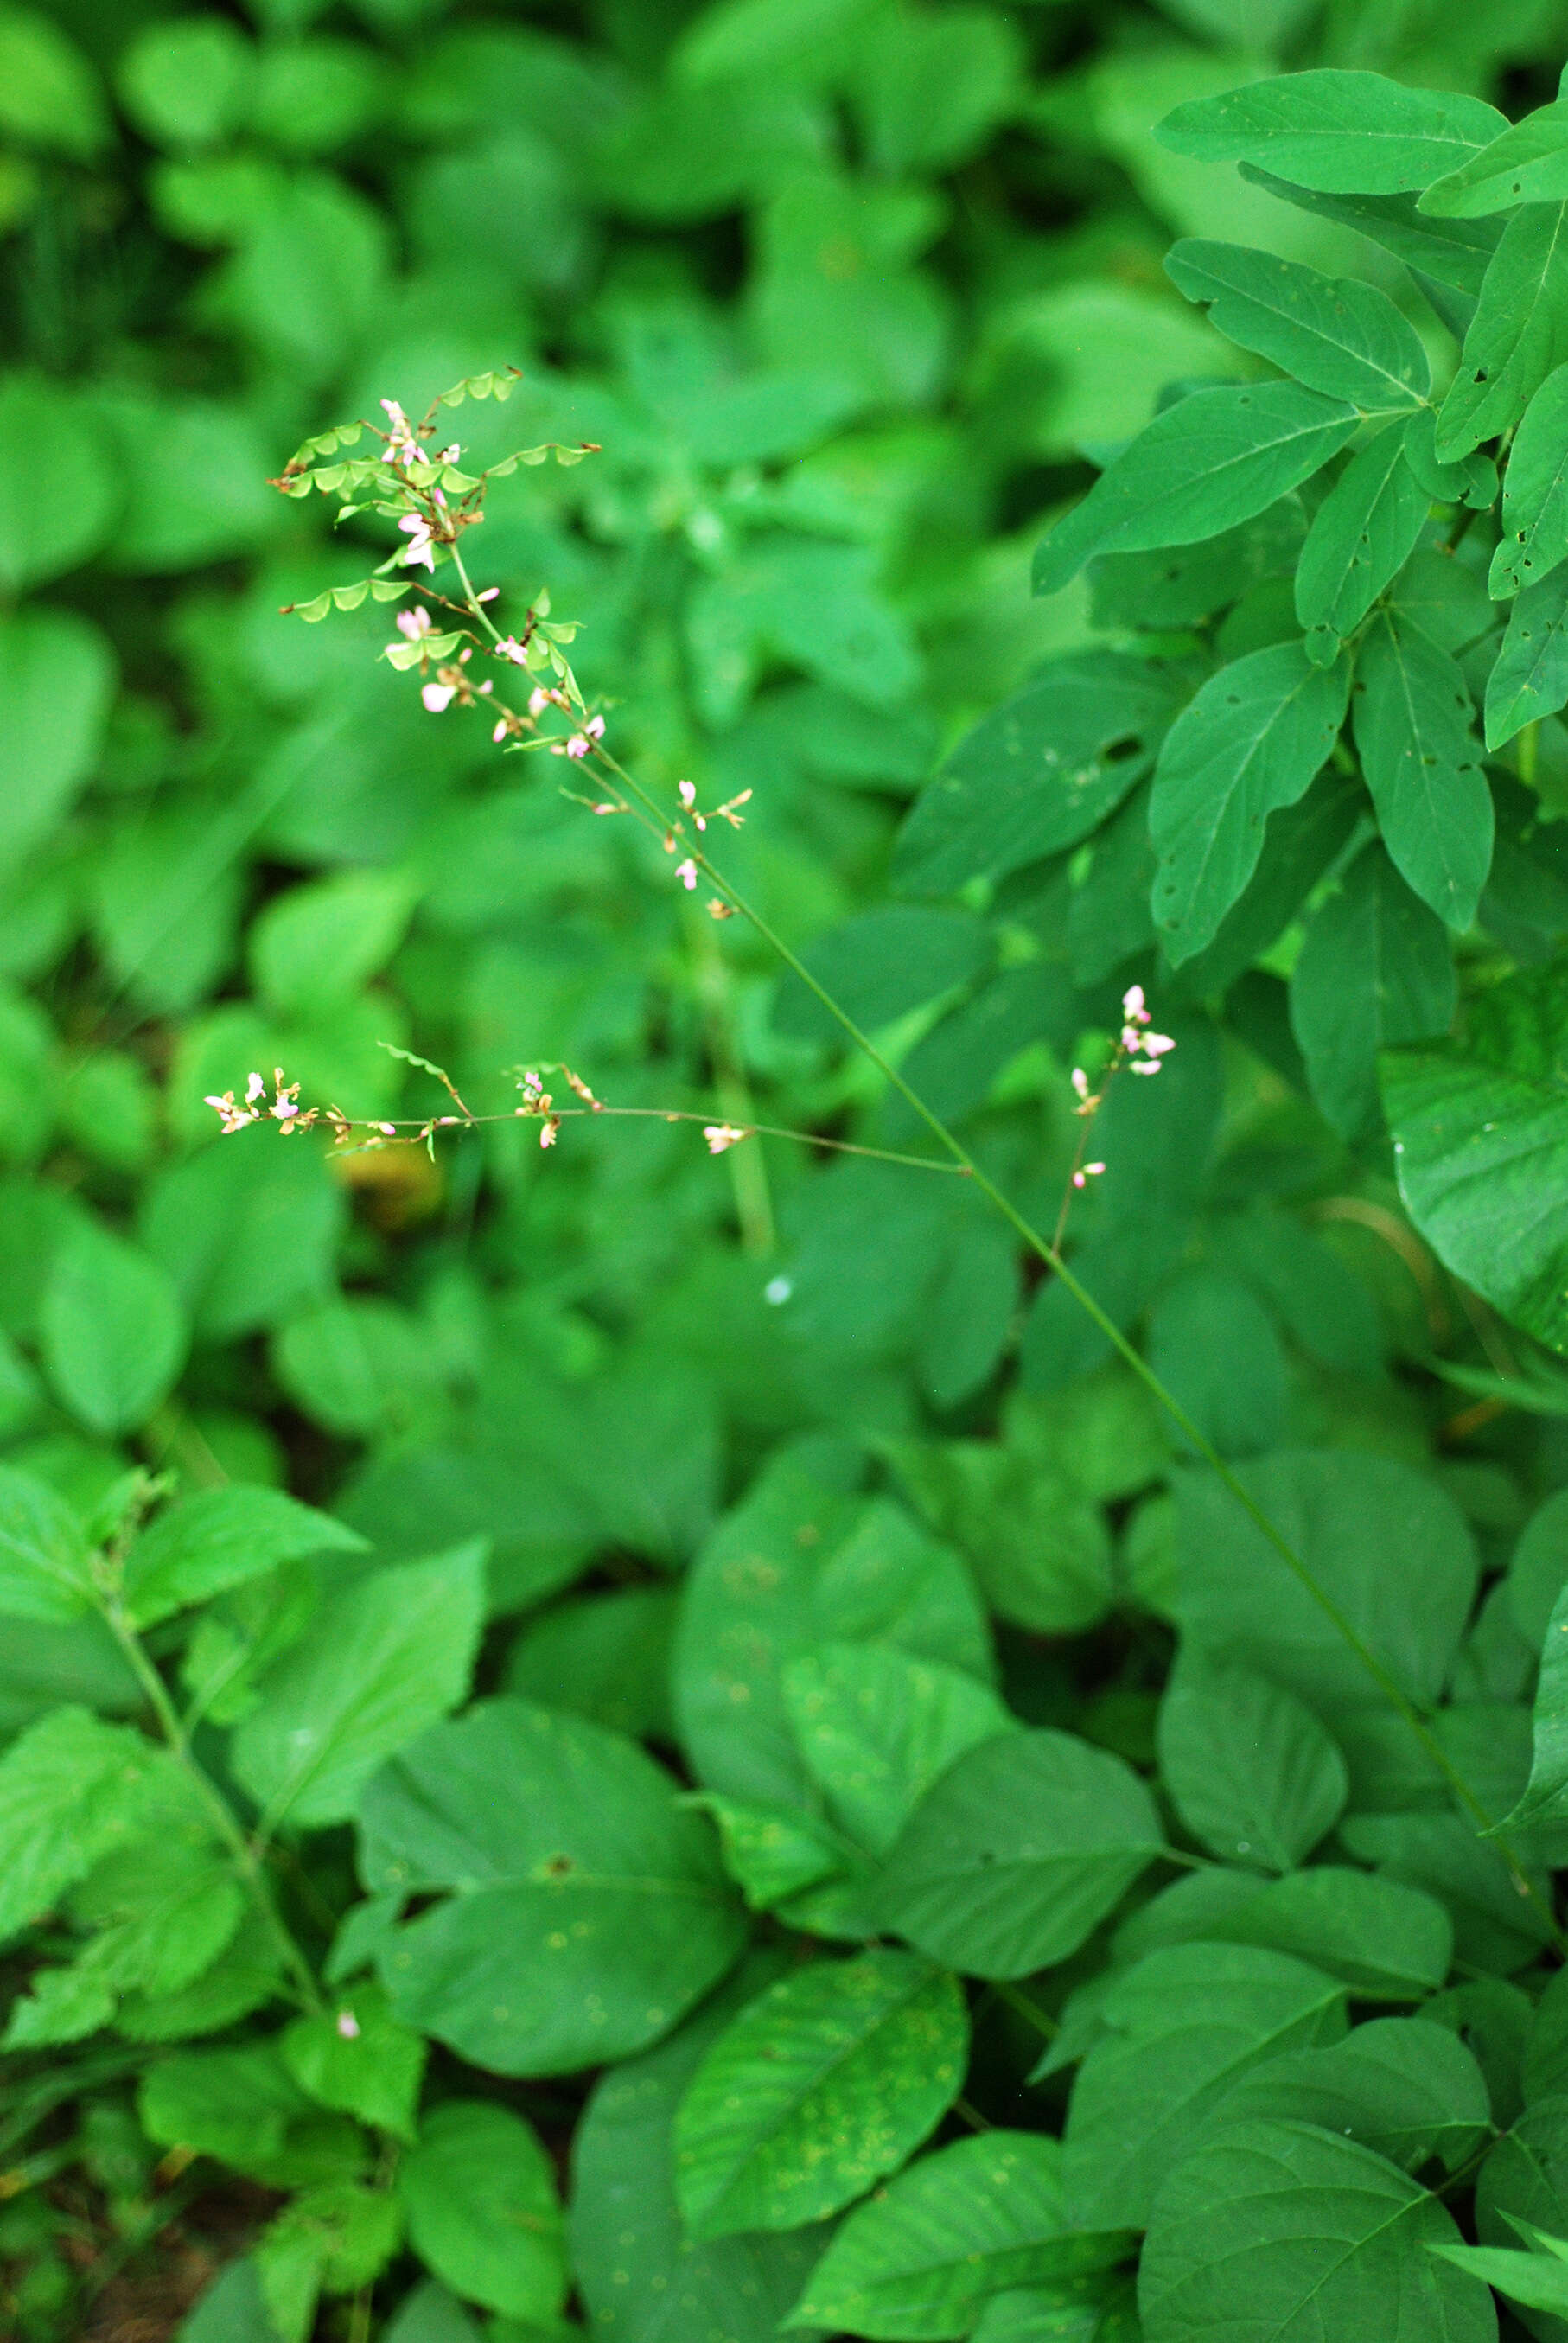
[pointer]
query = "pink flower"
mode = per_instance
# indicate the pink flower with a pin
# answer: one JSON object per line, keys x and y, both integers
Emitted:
{"x": 348, "y": 2025}
{"x": 414, "y": 623}
{"x": 1080, "y": 1083}
{"x": 438, "y": 696}
{"x": 687, "y": 873}
{"x": 499, "y": 733}
{"x": 509, "y": 648}
{"x": 538, "y": 700}
{"x": 722, "y": 1135}
{"x": 1133, "y": 1005}
{"x": 419, "y": 551}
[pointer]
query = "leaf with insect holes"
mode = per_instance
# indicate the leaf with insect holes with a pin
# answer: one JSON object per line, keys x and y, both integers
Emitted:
{"x": 1343, "y": 133}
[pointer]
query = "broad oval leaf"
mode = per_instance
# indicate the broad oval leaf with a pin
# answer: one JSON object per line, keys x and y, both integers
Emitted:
{"x": 479, "y": 2191}
{"x": 1253, "y": 1775}
{"x": 1015, "y": 1855}
{"x": 816, "y": 2090}
{"x": 1213, "y": 459}
{"x": 1406, "y": 2088}
{"x": 580, "y": 1915}
{"x": 1178, "y": 2031}
{"x": 1315, "y": 2234}
{"x": 954, "y": 2230}
{"x": 877, "y": 1726}
{"x": 115, "y": 1336}
{"x": 1376, "y": 969}
{"x": 1342, "y": 1512}
{"x": 1341, "y": 132}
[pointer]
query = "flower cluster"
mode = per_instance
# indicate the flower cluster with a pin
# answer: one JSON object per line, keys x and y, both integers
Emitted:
{"x": 284, "y": 1108}
{"x": 1144, "y": 1049}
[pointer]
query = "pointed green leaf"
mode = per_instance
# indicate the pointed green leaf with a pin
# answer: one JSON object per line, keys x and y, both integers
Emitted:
{"x": 1454, "y": 252}
{"x": 1544, "y": 1803}
{"x": 219, "y": 1538}
{"x": 1252, "y": 1773}
{"x": 1251, "y": 741}
{"x": 71, "y": 1789}
{"x": 1423, "y": 767}
{"x": 1315, "y": 2235}
{"x": 1038, "y": 774}
{"x": 979, "y": 2217}
{"x": 820, "y": 2088}
{"x": 1337, "y": 335}
{"x": 1361, "y": 536}
{"x": 1518, "y": 336}
{"x": 1540, "y": 2281}
{"x": 1343, "y": 133}
{"x": 1179, "y": 2031}
{"x": 1529, "y": 677}
{"x": 378, "y": 1664}
{"x": 1375, "y": 969}
{"x": 1534, "y": 493}
{"x": 1213, "y": 459}
{"x": 46, "y": 1561}
{"x": 356, "y": 2058}
{"x": 1016, "y": 1852}
{"x": 1527, "y": 164}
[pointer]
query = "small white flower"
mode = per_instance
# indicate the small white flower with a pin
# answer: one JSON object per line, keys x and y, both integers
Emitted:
{"x": 438, "y": 696}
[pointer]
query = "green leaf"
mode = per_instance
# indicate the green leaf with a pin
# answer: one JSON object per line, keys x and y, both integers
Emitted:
{"x": 1250, "y": 1771}
{"x": 1212, "y": 461}
{"x": 379, "y": 1662}
{"x": 240, "y": 2106}
{"x": 45, "y": 1569}
{"x": 1424, "y": 770}
{"x": 1539, "y": 1570}
{"x": 642, "y": 2279}
{"x": 1375, "y": 969}
{"x": 1016, "y": 1852}
{"x": 57, "y": 682}
{"x": 52, "y": 98}
{"x": 483, "y": 2213}
{"x": 1361, "y": 536}
{"x": 1343, "y": 133}
{"x": 115, "y": 1336}
{"x": 1526, "y": 164}
{"x": 959, "y": 2226}
{"x": 59, "y": 489}
{"x": 1251, "y": 741}
{"x": 1085, "y": 2310}
{"x": 1471, "y": 481}
{"x": 1333, "y": 334}
{"x": 877, "y": 1726}
{"x": 1481, "y": 1153}
{"x": 1180, "y": 2029}
{"x": 1315, "y": 2232}
{"x": 794, "y": 1565}
{"x": 1530, "y": 676}
{"x": 1534, "y": 493}
{"x": 1038, "y": 774}
{"x": 358, "y": 2059}
{"x": 1454, "y": 252}
{"x": 1405, "y": 2088}
{"x": 1518, "y": 336}
{"x": 1540, "y": 2281}
{"x": 1213, "y": 1346}
{"x": 1388, "y": 1942}
{"x": 320, "y": 944}
{"x": 71, "y": 1790}
{"x": 1342, "y": 1512}
{"x": 1544, "y": 1804}
{"x": 233, "y": 2310}
{"x": 819, "y": 2088}
{"x": 577, "y": 1918}
{"x": 606, "y": 1657}
{"x": 220, "y": 1538}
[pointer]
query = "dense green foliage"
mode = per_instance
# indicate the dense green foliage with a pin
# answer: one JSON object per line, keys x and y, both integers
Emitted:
{"x": 947, "y": 1723}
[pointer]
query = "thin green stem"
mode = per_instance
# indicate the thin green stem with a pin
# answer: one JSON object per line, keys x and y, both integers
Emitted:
{"x": 1345, "y": 1627}
{"x": 1043, "y": 2024}
{"x": 475, "y": 604}
{"x": 244, "y": 1856}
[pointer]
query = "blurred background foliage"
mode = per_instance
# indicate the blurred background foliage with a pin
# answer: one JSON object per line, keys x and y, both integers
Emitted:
{"x": 845, "y": 289}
